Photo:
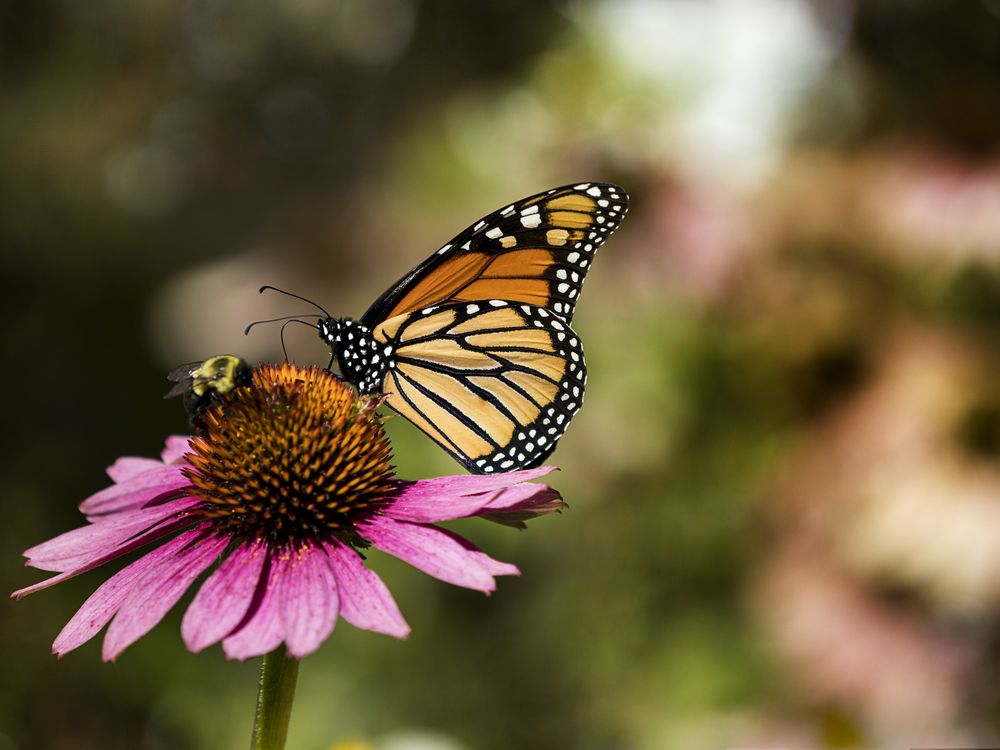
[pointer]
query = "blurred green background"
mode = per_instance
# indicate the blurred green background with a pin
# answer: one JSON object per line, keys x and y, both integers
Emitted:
{"x": 785, "y": 484}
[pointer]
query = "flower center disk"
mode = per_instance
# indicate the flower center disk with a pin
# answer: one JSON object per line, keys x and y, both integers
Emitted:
{"x": 294, "y": 456}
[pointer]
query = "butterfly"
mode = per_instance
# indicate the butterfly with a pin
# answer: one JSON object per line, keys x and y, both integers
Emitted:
{"x": 474, "y": 345}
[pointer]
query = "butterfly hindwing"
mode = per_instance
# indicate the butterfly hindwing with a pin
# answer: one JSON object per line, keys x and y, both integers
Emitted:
{"x": 536, "y": 251}
{"x": 494, "y": 383}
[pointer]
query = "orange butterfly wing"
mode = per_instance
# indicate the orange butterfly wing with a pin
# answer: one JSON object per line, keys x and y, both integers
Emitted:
{"x": 536, "y": 251}
{"x": 494, "y": 384}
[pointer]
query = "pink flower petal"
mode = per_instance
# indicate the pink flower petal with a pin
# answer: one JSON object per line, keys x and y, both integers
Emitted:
{"x": 128, "y": 466}
{"x": 176, "y": 447}
{"x": 414, "y": 504}
{"x": 158, "y": 532}
{"x": 517, "y": 506}
{"x": 74, "y": 548}
{"x": 308, "y": 600}
{"x": 158, "y": 591}
{"x": 263, "y": 632}
{"x": 471, "y": 484}
{"x": 429, "y": 549}
{"x": 136, "y": 491}
{"x": 495, "y": 567}
{"x": 522, "y": 497}
{"x": 224, "y": 599}
{"x": 365, "y": 601}
{"x": 102, "y": 605}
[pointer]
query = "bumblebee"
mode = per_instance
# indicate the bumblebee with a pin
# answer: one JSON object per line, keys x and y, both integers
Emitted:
{"x": 208, "y": 383}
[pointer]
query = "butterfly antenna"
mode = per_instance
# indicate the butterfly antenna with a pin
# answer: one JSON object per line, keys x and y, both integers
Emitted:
{"x": 281, "y": 336}
{"x": 246, "y": 331}
{"x": 296, "y": 296}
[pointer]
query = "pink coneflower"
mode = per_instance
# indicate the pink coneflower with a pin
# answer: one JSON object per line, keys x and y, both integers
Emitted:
{"x": 284, "y": 484}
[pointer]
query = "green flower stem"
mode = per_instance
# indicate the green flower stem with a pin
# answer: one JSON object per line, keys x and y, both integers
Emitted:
{"x": 275, "y": 695}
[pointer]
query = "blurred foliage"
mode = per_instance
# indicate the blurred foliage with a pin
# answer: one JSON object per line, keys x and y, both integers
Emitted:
{"x": 785, "y": 487}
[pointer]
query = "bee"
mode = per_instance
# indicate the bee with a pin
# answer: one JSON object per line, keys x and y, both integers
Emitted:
{"x": 208, "y": 383}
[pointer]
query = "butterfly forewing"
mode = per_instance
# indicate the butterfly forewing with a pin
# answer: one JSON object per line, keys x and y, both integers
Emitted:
{"x": 536, "y": 251}
{"x": 494, "y": 383}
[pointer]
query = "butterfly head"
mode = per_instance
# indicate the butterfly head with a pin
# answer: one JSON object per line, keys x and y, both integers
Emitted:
{"x": 330, "y": 332}
{"x": 351, "y": 345}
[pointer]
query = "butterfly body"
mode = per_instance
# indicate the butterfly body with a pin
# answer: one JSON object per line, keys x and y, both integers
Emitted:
{"x": 474, "y": 345}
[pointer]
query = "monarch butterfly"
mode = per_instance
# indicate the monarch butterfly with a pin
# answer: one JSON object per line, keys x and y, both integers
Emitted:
{"x": 474, "y": 345}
